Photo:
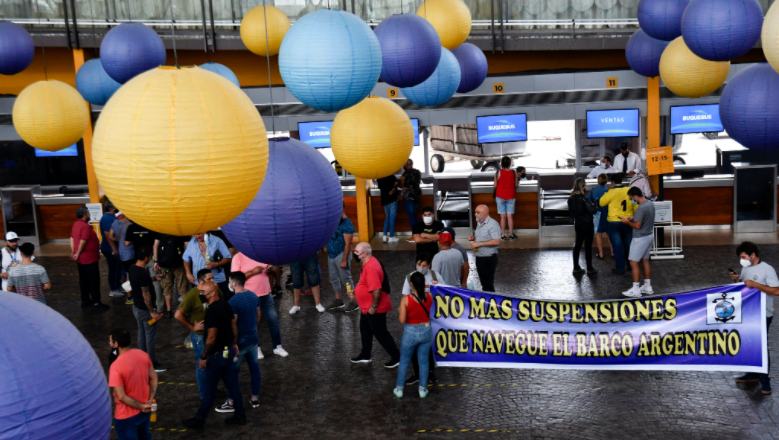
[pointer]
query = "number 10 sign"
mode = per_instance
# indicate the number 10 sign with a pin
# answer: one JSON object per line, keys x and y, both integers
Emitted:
{"x": 660, "y": 160}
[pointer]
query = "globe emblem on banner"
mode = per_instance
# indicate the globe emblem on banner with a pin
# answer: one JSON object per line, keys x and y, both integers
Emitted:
{"x": 724, "y": 310}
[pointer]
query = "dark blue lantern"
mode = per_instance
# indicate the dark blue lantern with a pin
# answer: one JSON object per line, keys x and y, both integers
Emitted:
{"x": 722, "y": 30}
{"x": 16, "y": 48}
{"x": 662, "y": 19}
{"x": 94, "y": 84}
{"x": 749, "y": 108}
{"x": 131, "y": 49}
{"x": 410, "y": 49}
{"x": 473, "y": 67}
{"x": 643, "y": 53}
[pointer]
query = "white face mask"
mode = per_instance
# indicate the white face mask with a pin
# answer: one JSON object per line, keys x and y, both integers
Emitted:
{"x": 427, "y": 220}
{"x": 745, "y": 263}
{"x": 422, "y": 271}
{"x": 231, "y": 288}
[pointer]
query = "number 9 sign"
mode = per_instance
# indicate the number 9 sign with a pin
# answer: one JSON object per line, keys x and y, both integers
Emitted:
{"x": 392, "y": 93}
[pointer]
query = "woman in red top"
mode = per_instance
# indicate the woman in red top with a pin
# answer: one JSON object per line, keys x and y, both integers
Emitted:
{"x": 414, "y": 311}
{"x": 506, "y": 196}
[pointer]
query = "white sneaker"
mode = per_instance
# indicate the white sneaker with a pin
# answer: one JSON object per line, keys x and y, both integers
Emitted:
{"x": 259, "y": 353}
{"x": 319, "y": 308}
{"x": 633, "y": 292}
{"x": 280, "y": 352}
{"x": 393, "y": 240}
{"x": 294, "y": 310}
{"x": 384, "y": 239}
{"x": 647, "y": 290}
{"x": 116, "y": 294}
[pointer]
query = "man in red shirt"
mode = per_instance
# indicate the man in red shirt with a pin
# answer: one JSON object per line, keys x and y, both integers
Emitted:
{"x": 134, "y": 385}
{"x": 85, "y": 250}
{"x": 374, "y": 304}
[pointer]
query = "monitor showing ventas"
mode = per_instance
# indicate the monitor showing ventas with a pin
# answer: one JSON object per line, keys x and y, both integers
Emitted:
{"x": 612, "y": 123}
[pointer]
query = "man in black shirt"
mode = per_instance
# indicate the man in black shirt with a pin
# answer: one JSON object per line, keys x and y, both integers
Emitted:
{"x": 389, "y": 200}
{"x": 426, "y": 233}
{"x": 139, "y": 236}
{"x": 143, "y": 304}
{"x": 220, "y": 348}
{"x": 412, "y": 193}
{"x": 168, "y": 250}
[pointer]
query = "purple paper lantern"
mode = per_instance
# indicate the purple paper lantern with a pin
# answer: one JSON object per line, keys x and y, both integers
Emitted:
{"x": 295, "y": 212}
{"x": 749, "y": 108}
{"x": 410, "y": 49}
{"x": 473, "y": 67}
{"x": 131, "y": 49}
{"x": 643, "y": 53}
{"x": 722, "y": 30}
{"x": 662, "y": 19}
{"x": 16, "y": 48}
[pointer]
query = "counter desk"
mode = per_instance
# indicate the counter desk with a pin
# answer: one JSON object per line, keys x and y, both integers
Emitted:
{"x": 56, "y": 214}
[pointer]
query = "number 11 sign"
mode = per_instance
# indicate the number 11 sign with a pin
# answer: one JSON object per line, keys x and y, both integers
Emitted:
{"x": 660, "y": 160}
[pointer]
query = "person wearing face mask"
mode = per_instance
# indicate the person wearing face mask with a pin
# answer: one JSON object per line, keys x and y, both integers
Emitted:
{"x": 190, "y": 314}
{"x": 759, "y": 275}
{"x": 643, "y": 221}
{"x": 9, "y": 257}
{"x": 620, "y": 234}
{"x": 521, "y": 174}
{"x": 627, "y": 163}
{"x": 484, "y": 242}
{"x": 426, "y": 232}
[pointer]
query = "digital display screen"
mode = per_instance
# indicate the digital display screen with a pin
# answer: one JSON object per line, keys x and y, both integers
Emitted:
{"x": 612, "y": 123}
{"x": 71, "y": 151}
{"x": 695, "y": 119}
{"x": 502, "y": 128}
{"x": 415, "y": 124}
{"x": 316, "y": 134}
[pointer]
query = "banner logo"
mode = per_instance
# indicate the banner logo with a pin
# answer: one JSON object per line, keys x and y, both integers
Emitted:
{"x": 723, "y": 308}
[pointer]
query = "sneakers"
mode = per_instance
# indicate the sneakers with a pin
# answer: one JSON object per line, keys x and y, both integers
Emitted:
{"x": 193, "y": 423}
{"x": 398, "y": 393}
{"x": 319, "y": 308}
{"x": 169, "y": 314}
{"x": 513, "y": 237}
{"x": 276, "y": 290}
{"x": 294, "y": 310}
{"x": 412, "y": 380}
{"x": 578, "y": 271}
{"x": 226, "y": 407}
{"x": 159, "y": 368}
{"x": 633, "y": 292}
{"x": 259, "y": 353}
{"x": 237, "y": 419}
{"x": 765, "y": 388}
{"x": 748, "y": 378}
{"x": 392, "y": 363}
{"x": 100, "y": 307}
{"x": 278, "y": 351}
{"x": 502, "y": 238}
{"x": 384, "y": 239}
{"x": 337, "y": 304}
{"x": 422, "y": 392}
{"x": 591, "y": 271}
{"x": 361, "y": 360}
{"x": 393, "y": 240}
{"x": 116, "y": 294}
{"x": 351, "y": 307}
{"x": 129, "y": 301}
{"x": 255, "y": 403}
{"x": 647, "y": 290}
{"x": 411, "y": 240}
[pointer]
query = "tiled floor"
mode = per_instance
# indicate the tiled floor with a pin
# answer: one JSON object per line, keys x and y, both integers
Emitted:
{"x": 317, "y": 393}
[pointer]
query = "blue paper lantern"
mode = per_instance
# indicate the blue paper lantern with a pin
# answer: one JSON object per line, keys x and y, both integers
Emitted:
{"x": 662, "y": 19}
{"x": 296, "y": 210}
{"x": 46, "y": 360}
{"x": 410, "y": 49}
{"x": 441, "y": 85}
{"x": 130, "y": 49}
{"x": 721, "y": 30}
{"x": 473, "y": 67}
{"x": 643, "y": 53}
{"x": 330, "y": 60}
{"x": 94, "y": 84}
{"x": 221, "y": 69}
{"x": 749, "y": 108}
{"x": 16, "y": 48}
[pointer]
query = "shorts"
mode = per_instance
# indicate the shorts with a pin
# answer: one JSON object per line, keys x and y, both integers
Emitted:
{"x": 309, "y": 266}
{"x": 505, "y": 206}
{"x": 640, "y": 247}
{"x": 127, "y": 264}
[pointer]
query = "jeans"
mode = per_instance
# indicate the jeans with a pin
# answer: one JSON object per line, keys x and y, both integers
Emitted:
{"x": 376, "y": 325}
{"x": 247, "y": 349}
{"x": 89, "y": 282}
{"x": 416, "y": 339}
{"x": 485, "y": 267}
{"x": 430, "y": 363}
{"x": 620, "y": 236}
{"x": 198, "y": 344}
{"x": 147, "y": 334}
{"x": 115, "y": 270}
{"x": 217, "y": 367}
{"x": 585, "y": 232}
{"x": 157, "y": 287}
{"x": 390, "y": 211}
{"x": 411, "y": 211}
{"x": 133, "y": 428}
{"x": 268, "y": 309}
{"x": 337, "y": 275}
{"x": 308, "y": 266}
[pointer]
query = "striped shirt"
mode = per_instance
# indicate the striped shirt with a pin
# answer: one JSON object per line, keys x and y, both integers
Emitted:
{"x": 28, "y": 279}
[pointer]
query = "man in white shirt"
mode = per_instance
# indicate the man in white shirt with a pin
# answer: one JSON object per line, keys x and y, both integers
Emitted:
{"x": 604, "y": 168}
{"x": 448, "y": 263}
{"x": 9, "y": 257}
{"x": 627, "y": 163}
{"x": 423, "y": 267}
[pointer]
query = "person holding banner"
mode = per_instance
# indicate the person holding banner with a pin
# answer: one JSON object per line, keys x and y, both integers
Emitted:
{"x": 758, "y": 275}
{"x": 414, "y": 312}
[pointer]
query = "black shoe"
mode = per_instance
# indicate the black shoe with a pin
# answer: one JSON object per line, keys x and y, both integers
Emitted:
{"x": 617, "y": 272}
{"x": 193, "y": 423}
{"x": 392, "y": 363}
{"x": 255, "y": 403}
{"x": 236, "y": 419}
{"x": 748, "y": 378}
{"x": 169, "y": 314}
{"x": 432, "y": 379}
{"x": 100, "y": 306}
{"x": 85, "y": 305}
{"x": 277, "y": 289}
{"x": 359, "y": 359}
{"x": 412, "y": 380}
{"x": 578, "y": 271}
{"x": 591, "y": 271}
{"x": 513, "y": 237}
{"x": 159, "y": 368}
{"x": 502, "y": 238}
{"x": 226, "y": 407}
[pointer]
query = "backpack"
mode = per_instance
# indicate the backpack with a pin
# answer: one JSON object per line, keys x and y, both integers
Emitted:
{"x": 169, "y": 252}
{"x": 385, "y": 284}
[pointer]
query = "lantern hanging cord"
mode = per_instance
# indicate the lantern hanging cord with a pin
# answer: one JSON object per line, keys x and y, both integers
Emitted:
{"x": 130, "y": 10}
{"x": 43, "y": 45}
{"x": 94, "y": 34}
{"x": 173, "y": 33}
{"x": 267, "y": 58}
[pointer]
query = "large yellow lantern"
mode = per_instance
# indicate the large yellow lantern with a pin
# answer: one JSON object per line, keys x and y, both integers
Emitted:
{"x": 770, "y": 36}
{"x": 689, "y": 75}
{"x": 180, "y": 151}
{"x": 450, "y": 18}
{"x": 50, "y": 115}
{"x": 372, "y": 139}
{"x": 253, "y": 30}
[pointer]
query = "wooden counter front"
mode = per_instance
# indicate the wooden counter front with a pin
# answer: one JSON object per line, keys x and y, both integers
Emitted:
{"x": 401, "y": 219}
{"x": 702, "y": 206}
{"x": 56, "y": 221}
{"x": 525, "y": 209}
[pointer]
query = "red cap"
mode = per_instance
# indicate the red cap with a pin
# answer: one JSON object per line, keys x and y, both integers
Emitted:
{"x": 445, "y": 238}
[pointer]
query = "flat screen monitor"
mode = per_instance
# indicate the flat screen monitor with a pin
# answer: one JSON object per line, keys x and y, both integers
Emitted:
{"x": 695, "y": 119}
{"x": 415, "y": 124}
{"x": 71, "y": 151}
{"x": 612, "y": 123}
{"x": 316, "y": 134}
{"x": 501, "y": 128}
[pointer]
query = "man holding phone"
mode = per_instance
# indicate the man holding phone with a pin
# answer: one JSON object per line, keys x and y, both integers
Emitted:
{"x": 643, "y": 221}
{"x": 620, "y": 234}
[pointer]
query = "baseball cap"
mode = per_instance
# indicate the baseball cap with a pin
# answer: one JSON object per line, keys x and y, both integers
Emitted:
{"x": 11, "y": 236}
{"x": 119, "y": 214}
{"x": 451, "y": 231}
{"x": 445, "y": 238}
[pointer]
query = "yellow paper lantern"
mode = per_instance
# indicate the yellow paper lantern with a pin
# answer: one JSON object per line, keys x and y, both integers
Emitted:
{"x": 372, "y": 139}
{"x": 770, "y": 36}
{"x": 50, "y": 115}
{"x": 689, "y": 75}
{"x": 253, "y": 32}
{"x": 450, "y": 18}
{"x": 180, "y": 151}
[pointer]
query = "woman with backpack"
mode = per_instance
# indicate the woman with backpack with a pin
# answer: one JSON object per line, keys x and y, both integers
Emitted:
{"x": 414, "y": 312}
{"x": 582, "y": 210}
{"x": 505, "y": 184}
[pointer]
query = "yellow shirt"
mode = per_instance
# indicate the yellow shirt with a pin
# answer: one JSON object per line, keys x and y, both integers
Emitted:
{"x": 619, "y": 204}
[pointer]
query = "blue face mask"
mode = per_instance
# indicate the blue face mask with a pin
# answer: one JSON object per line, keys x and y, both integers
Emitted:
{"x": 634, "y": 202}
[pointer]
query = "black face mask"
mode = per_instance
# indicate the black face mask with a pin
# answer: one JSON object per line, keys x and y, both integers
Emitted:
{"x": 203, "y": 299}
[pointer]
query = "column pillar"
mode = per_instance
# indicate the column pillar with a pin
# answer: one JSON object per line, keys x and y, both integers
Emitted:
{"x": 364, "y": 217}
{"x": 94, "y": 192}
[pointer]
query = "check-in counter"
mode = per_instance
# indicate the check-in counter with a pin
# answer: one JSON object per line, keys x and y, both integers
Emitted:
{"x": 705, "y": 201}
{"x": 57, "y": 212}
